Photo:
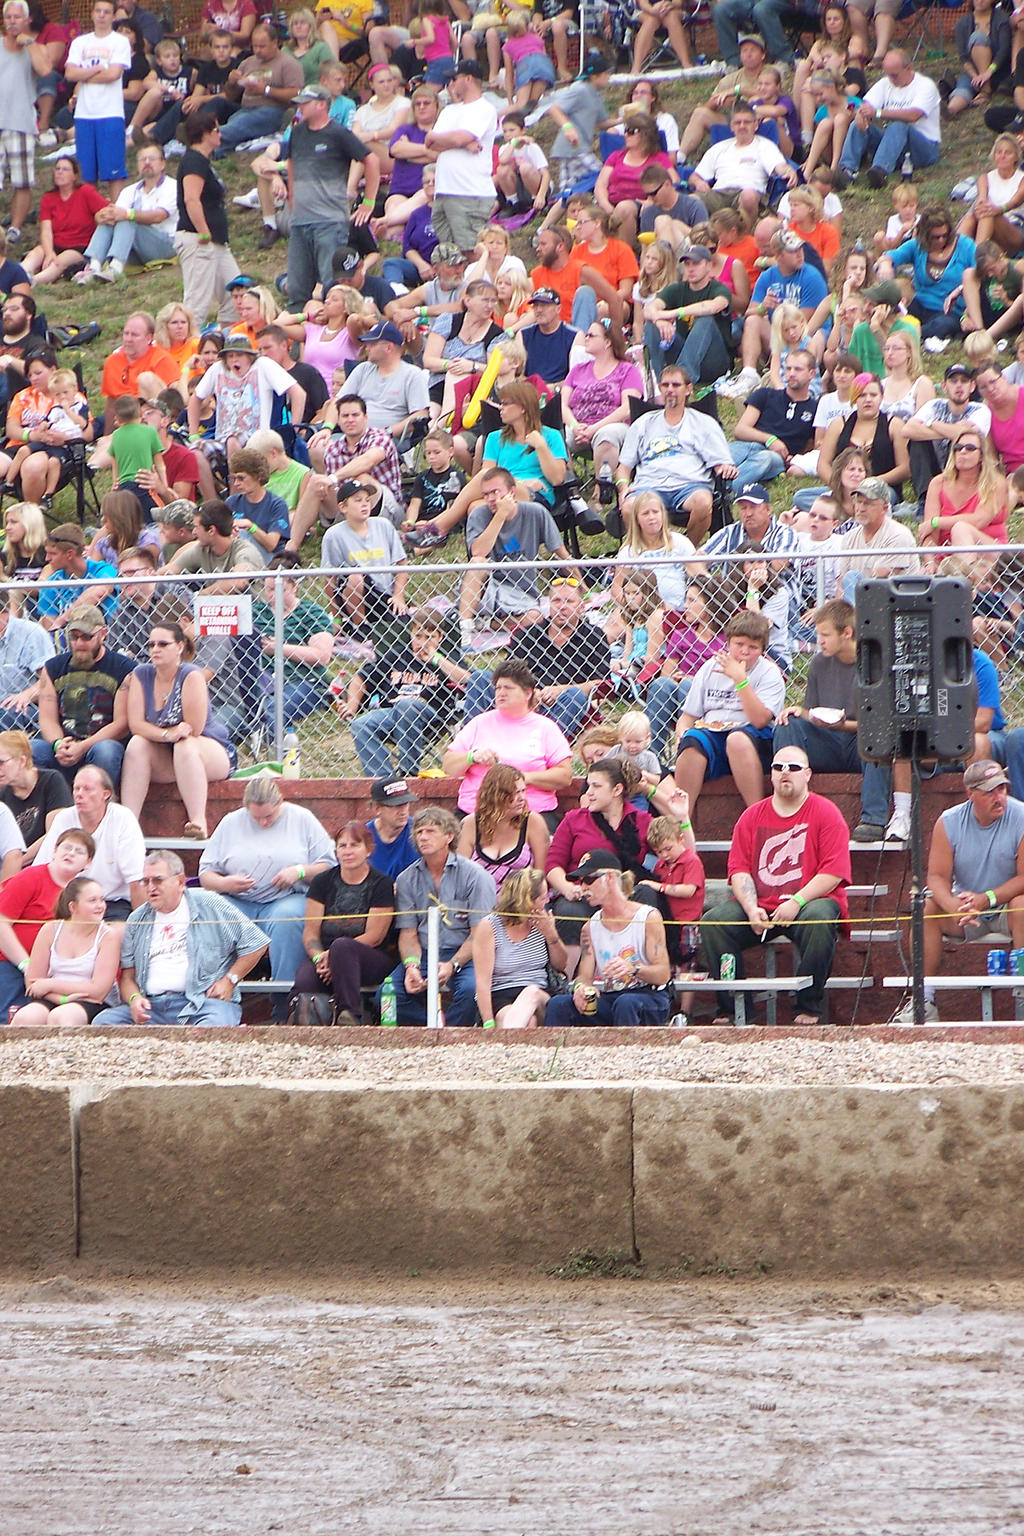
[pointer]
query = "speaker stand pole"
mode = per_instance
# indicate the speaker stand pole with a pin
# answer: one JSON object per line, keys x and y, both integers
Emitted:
{"x": 917, "y": 892}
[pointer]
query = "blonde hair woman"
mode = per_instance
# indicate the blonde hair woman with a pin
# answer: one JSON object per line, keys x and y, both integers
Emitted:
{"x": 905, "y": 385}
{"x": 512, "y": 949}
{"x": 177, "y": 332}
{"x": 967, "y": 504}
{"x": 496, "y": 256}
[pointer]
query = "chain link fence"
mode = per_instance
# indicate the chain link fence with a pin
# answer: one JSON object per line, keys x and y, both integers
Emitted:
{"x": 319, "y": 652}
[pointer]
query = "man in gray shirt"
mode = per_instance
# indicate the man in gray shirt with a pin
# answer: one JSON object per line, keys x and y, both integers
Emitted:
{"x": 501, "y": 533}
{"x": 975, "y": 873}
{"x": 319, "y": 154}
{"x": 396, "y": 394}
{"x": 465, "y": 894}
{"x": 675, "y": 451}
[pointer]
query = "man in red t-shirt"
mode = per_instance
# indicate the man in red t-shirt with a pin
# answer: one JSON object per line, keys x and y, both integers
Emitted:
{"x": 27, "y": 901}
{"x": 789, "y": 865}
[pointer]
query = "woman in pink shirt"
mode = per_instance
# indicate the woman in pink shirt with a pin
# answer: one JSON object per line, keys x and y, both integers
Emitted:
{"x": 513, "y": 732}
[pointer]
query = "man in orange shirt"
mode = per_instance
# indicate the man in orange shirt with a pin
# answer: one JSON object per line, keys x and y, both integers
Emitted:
{"x": 562, "y": 269}
{"x": 612, "y": 261}
{"x": 138, "y": 366}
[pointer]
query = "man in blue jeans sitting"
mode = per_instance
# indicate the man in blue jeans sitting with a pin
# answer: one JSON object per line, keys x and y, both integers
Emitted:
{"x": 898, "y": 116}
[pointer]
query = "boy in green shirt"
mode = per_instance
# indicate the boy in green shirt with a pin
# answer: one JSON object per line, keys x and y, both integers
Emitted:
{"x": 134, "y": 447}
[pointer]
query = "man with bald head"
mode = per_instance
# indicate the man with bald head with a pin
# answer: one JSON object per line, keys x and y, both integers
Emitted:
{"x": 898, "y": 116}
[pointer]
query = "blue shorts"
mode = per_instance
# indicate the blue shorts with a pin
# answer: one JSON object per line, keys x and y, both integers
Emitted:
{"x": 99, "y": 148}
{"x": 536, "y": 66}
{"x": 712, "y": 744}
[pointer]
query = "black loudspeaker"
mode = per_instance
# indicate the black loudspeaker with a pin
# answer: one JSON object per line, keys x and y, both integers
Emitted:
{"x": 915, "y": 669}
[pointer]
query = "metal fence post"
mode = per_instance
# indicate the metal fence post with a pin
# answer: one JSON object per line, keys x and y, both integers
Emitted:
{"x": 278, "y": 668}
{"x": 434, "y": 1019}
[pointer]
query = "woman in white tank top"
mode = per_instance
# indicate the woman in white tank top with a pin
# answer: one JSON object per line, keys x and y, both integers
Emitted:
{"x": 625, "y": 958}
{"x": 72, "y": 970}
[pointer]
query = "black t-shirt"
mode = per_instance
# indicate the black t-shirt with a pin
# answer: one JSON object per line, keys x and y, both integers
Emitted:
{"x": 791, "y": 420}
{"x": 345, "y": 905}
{"x": 437, "y": 491}
{"x": 401, "y": 675}
{"x": 50, "y": 793}
{"x": 85, "y": 695}
{"x": 212, "y": 198}
{"x": 586, "y": 655}
{"x": 312, "y": 381}
{"x": 212, "y": 76}
{"x": 378, "y": 290}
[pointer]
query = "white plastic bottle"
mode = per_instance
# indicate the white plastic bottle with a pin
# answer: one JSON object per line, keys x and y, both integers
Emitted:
{"x": 290, "y": 764}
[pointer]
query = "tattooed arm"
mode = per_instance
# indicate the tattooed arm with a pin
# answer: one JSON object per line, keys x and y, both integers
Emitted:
{"x": 745, "y": 892}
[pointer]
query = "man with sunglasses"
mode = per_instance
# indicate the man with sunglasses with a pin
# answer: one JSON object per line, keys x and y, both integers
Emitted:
{"x": 83, "y": 707}
{"x": 789, "y": 865}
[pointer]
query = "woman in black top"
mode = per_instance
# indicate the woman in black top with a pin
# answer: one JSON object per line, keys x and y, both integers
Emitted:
{"x": 349, "y": 912}
{"x": 201, "y": 243}
{"x": 868, "y": 429}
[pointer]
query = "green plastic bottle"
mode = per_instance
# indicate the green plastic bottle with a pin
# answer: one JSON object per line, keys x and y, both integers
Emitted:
{"x": 388, "y": 1005}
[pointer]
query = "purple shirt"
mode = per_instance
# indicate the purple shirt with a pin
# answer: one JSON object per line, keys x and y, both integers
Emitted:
{"x": 690, "y": 652}
{"x": 407, "y": 176}
{"x": 419, "y": 235}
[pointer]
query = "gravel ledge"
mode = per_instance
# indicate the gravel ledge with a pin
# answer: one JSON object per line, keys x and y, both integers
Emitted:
{"x": 823, "y": 1056}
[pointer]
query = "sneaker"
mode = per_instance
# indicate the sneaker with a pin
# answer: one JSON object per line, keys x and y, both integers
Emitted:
{"x": 267, "y": 237}
{"x": 113, "y": 270}
{"x": 424, "y": 536}
{"x": 868, "y": 832}
{"x": 47, "y": 140}
{"x": 588, "y": 520}
{"x": 258, "y": 742}
{"x": 905, "y": 1015}
{"x": 898, "y": 830}
{"x": 746, "y": 381}
{"x": 843, "y": 179}
{"x": 46, "y": 502}
{"x": 936, "y": 344}
{"x": 877, "y": 177}
{"x": 606, "y": 485}
{"x": 14, "y": 235}
{"x": 908, "y": 510}
{"x": 85, "y": 276}
{"x": 175, "y": 147}
{"x": 247, "y": 200}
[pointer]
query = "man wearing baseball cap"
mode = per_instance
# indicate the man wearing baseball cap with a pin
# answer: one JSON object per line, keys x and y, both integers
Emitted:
{"x": 396, "y": 394}
{"x": 320, "y": 154}
{"x": 790, "y": 280}
{"x": 65, "y": 556}
{"x": 975, "y": 873}
{"x": 393, "y": 847}
{"x": 879, "y": 546}
{"x": 462, "y": 138}
{"x": 932, "y": 429}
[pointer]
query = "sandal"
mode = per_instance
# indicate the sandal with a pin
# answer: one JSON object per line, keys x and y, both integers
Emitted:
{"x": 806, "y": 1020}
{"x": 195, "y": 830}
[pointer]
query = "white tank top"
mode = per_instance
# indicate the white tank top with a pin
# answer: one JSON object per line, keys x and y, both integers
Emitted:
{"x": 630, "y": 944}
{"x": 79, "y": 968}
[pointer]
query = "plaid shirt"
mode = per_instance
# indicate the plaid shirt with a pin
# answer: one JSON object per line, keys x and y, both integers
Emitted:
{"x": 388, "y": 471}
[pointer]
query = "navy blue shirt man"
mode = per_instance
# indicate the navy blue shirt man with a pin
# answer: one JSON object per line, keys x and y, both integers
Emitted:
{"x": 393, "y": 848}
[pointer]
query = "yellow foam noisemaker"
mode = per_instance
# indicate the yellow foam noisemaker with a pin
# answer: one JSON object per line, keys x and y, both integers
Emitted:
{"x": 483, "y": 389}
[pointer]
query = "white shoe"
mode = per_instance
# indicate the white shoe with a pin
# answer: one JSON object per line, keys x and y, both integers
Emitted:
{"x": 108, "y": 275}
{"x": 905, "y": 1015}
{"x": 47, "y": 140}
{"x": 936, "y": 344}
{"x": 85, "y": 276}
{"x": 175, "y": 147}
{"x": 248, "y": 200}
{"x": 898, "y": 830}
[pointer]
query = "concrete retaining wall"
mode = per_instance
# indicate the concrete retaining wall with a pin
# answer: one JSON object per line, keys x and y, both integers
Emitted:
{"x": 311, "y": 1177}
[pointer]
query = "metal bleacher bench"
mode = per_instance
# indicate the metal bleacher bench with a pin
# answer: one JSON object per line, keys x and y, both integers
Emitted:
{"x": 986, "y": 985}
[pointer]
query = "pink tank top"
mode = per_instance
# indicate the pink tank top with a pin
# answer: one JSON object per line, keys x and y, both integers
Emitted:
{"x": 1008, "y": 436}
{"x": 996, "y": 530}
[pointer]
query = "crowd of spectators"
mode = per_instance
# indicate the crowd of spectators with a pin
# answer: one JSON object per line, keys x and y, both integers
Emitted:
{"x": 357, "y": 408}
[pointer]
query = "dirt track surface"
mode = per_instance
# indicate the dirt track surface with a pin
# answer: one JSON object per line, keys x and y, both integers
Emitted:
{"x": 638, "y": 1409}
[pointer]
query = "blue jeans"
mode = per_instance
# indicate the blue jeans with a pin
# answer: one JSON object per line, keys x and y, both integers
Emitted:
{"x": 12, "y": 988}
{"x": 568, "y": 710}
{"x": 397, "y": 270}
{"x": 404, "y": 723}
{"x": 116, "y": 242}
{"x": 281, "y": 921}
{"x": 175, "y": 1008}
{"x": 584, "y": 308}
{"x": 623, "y": 1009}
{"x": 888, "y": 146}
{"x": 310, "y": 248}
{"x": 734, "y": 16}
{"x": 412, "y": 1008}
{"x": 298, "y": 700}
{"x": 702, "y": 352}
{"x": 107, "y": 755}
{"x": 665, "y": 700}
{"x": 755, "y": 463}
{"x": 836, "y": 752}
{"x": 249, "y": 123}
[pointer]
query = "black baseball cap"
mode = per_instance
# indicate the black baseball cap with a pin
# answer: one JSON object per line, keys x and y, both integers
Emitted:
{"x": 392, "y": 792}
